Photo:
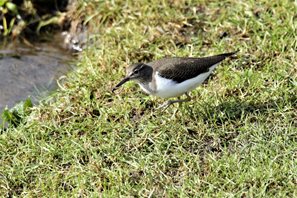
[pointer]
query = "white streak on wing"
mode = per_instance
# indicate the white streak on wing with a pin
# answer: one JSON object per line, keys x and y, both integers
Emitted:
{"x": 168, "y": 88}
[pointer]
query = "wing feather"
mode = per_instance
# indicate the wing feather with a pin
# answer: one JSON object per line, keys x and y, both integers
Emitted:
{"x": 181, "y": 69}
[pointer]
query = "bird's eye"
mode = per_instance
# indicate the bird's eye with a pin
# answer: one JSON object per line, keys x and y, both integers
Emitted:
{"x": 136, "y": 71}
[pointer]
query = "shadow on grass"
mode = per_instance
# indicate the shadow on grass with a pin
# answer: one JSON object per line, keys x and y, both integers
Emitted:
{"x": 226, "y": 119}
{"x": 237, "y": 109}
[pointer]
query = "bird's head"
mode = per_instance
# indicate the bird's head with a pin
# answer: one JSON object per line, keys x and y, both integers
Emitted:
{"x": 138, "y": 72}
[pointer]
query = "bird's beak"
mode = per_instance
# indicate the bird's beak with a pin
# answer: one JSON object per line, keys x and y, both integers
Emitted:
{"x": 121, "y": 83}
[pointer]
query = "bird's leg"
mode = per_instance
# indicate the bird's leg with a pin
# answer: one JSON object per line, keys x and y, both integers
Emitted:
{"x": 170, "y": 102}
{"x": 175, "y": 111}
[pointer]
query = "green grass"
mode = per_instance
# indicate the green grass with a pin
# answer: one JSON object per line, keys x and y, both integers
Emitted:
{"x": 238, "y": 138}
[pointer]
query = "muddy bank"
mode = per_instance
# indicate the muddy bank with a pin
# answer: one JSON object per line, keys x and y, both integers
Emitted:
{"x": 37, "y": 42}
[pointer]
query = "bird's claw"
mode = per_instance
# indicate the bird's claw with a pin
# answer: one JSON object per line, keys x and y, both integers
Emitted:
{"x": 165, "y": 105}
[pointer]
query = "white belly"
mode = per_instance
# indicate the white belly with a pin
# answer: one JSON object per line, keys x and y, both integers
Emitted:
{"x": 167, "y": 88}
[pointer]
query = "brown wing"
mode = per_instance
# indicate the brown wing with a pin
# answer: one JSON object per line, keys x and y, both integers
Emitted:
{"x": 181, "y": 69}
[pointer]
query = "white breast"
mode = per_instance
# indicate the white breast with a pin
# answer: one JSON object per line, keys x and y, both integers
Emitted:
{"x": 168, "y": 88}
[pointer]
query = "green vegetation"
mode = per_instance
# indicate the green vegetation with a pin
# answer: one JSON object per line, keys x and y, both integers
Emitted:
{"x": 238, "y": 138}
{"x": 14, "y": 116}
{"x": 28, "y": 17}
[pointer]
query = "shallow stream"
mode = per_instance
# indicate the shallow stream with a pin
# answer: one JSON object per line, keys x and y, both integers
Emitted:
{"x": 30, "y": 70}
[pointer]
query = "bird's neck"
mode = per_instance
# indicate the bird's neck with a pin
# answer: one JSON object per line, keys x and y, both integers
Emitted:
{"x": 146, "y": 87}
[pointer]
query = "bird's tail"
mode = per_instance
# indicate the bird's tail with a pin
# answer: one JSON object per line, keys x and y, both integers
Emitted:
{"x": 229, "y": 53}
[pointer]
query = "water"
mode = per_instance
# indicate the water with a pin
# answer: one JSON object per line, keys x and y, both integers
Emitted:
{"x": 30, "y": 70}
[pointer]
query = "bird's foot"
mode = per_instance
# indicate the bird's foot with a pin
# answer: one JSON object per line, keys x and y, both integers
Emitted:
{"x": 165, "y": 105}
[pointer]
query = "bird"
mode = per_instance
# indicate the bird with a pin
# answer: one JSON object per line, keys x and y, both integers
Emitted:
{"x": 173, "y": 76}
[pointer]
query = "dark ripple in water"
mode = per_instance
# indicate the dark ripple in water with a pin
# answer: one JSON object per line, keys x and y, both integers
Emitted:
{"x": 30, "y": 71}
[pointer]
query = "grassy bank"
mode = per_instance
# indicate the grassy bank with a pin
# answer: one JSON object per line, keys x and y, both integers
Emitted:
{"x": 237, "y": 138}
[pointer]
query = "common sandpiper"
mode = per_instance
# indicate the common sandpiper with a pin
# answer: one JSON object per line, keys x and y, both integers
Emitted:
{"x": 172, "y": 77}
